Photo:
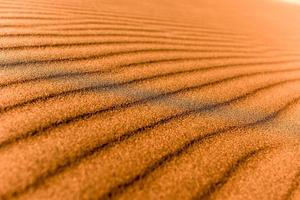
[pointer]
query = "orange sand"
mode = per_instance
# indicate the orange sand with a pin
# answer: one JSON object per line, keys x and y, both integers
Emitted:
{"x": 160, "y": 99}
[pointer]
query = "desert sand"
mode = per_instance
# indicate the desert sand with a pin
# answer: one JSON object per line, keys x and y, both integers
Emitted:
{"x": 158, "y": 99}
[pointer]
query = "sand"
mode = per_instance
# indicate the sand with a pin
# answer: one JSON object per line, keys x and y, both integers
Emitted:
{"x": 160, "y": 99}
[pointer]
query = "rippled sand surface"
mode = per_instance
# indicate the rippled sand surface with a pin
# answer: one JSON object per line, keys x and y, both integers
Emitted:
{"x": 158, "y": 99}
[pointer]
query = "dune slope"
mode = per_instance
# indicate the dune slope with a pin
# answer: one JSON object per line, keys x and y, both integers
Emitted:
{"x": 160, "y": 99}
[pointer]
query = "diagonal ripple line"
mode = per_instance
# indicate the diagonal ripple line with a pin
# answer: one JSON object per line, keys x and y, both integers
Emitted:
{"x": 103, "y": 55}
{"x": 184, "y": 39}
{"x": 294, "y": 186}
{"x": 87, "y": 43}
{"x": 242, "y": 161}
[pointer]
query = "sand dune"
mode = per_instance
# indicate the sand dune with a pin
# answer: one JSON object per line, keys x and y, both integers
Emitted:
{"x": 126, "y": 99}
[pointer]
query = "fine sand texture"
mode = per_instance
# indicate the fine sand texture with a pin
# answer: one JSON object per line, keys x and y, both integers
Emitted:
{"x": 149, "y": 99}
